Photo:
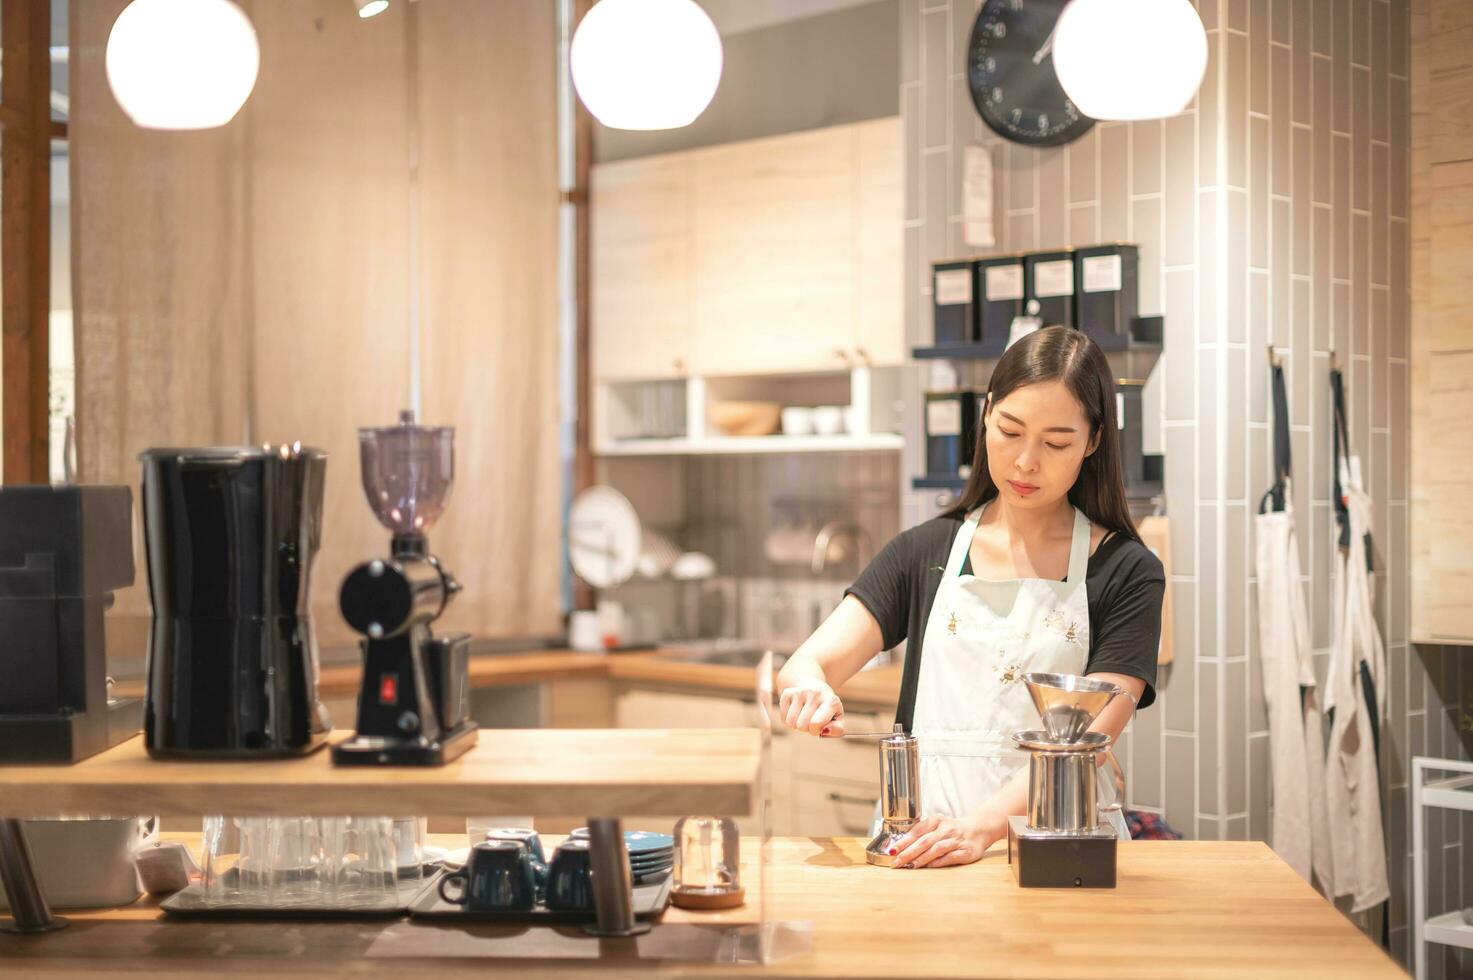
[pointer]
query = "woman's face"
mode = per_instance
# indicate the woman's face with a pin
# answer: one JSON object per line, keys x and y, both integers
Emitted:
{"x": 1037, "y": 439}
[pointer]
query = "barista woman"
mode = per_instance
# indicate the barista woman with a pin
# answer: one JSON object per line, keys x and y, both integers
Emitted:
{"x": 1037, "y": 569}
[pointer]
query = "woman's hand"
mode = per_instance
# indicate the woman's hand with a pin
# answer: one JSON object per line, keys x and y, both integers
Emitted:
{"x": 937, "y": 842}
{"x": 812, "y": 706}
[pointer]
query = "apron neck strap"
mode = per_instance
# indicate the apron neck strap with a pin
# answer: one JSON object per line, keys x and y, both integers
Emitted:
{"x": 962, "y": 543}
{"x": 1079, "y": 549}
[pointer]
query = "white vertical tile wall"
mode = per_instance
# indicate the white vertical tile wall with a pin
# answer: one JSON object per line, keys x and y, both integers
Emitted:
{"x": 1272, "y": 211}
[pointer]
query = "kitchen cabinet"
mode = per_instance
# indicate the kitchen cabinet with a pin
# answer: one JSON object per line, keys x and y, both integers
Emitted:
{"x": 776, "y": 255}
{"x": 641, "y": 299}
{"x": 1442, "y": 327}
{"x": 878, "y": 315}
{"x": 775, "y": 272}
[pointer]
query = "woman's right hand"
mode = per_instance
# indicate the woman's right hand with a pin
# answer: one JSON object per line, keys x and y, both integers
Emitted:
{"x": 813, "y": 707}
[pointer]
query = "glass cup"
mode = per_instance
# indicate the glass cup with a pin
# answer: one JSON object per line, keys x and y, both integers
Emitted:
{"x": 299, "y": 862}
{"x": 364, "y": 862}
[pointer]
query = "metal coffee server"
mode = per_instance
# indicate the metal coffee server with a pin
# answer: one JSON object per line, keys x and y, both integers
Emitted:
{"x": 1066, "y": 840}
{"x": 900, "y": 794}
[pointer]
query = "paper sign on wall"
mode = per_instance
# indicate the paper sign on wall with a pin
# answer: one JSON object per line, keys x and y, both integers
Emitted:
{"x": 1004, "y": 282}
{"x": 953, "y": 287}
{"x": 977, "y": 196}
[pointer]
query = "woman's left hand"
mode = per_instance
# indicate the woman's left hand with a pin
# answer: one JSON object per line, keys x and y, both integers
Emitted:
{"x": 937, "y": 842}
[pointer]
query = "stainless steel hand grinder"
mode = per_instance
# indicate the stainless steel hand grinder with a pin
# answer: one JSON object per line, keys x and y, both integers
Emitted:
{"x": 900, "y": 794}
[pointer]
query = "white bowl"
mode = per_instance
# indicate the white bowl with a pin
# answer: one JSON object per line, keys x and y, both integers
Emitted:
{"x": 797, "y": 421}
{"x": 828, "y": 420}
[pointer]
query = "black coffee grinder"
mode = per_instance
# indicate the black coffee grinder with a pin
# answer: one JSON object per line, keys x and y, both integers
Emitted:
{"x": 413, "y": 705}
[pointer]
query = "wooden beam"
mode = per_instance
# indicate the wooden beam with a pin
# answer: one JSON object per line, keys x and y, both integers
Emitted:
{"x": 25, "y": 239}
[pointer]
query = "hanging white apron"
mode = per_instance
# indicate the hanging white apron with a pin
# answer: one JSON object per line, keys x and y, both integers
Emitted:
{"x": 981, "y": 638}
{"x": 1295, "y": 725}
{"x": 1351, "y": 780}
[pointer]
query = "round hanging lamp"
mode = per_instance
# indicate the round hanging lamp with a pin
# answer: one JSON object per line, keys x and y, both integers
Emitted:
{"x": 182, "y": 64}
{"x": 646, "y": 64}
{"x": 1130, "y": 59}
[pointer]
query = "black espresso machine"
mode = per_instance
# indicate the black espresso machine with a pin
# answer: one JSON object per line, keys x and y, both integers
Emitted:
{"x": 413, "y": 708}
{"x": 63, "y": 552}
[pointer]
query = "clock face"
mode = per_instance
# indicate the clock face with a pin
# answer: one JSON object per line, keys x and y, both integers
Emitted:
{"x": 1010, "y": 70}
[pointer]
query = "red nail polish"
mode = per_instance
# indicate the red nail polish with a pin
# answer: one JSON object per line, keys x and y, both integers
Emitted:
{"x": 824, "y": 732}
{"x": 892, "y": 852}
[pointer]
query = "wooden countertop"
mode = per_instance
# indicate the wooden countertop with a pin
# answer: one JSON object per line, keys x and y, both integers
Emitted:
{"x": 879, "y": 688}
{"x": 542, "y": 772}
{"x": 1182, "y": 909}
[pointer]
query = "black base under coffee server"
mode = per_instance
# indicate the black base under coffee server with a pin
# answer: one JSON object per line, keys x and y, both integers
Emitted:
{"x": 414, "y": 703}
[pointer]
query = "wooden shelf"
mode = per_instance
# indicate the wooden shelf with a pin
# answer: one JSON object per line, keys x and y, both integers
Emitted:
{"x": 1146, "y": 334}
{"x": 541, "y": 773}
{"x": 737, "y": 445}
{"x": 938, "y": 483}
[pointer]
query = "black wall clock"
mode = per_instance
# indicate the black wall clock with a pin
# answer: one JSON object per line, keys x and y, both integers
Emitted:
{"x": 1010, "y": 70}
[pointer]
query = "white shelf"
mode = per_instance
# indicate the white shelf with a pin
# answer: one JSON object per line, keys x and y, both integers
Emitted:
{"x": 1455, "y": 793}
{"x": 734, "y": 445}
{"x": 1449, "y": 930}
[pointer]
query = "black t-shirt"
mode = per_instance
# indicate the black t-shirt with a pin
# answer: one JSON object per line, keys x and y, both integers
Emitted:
{"x": 1125, "y": 584}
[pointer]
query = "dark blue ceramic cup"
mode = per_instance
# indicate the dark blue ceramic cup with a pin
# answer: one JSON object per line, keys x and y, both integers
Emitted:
{"x": 534, "y": 846}
{"x": 497, "y": 876}
{"x": 570, "y": 878}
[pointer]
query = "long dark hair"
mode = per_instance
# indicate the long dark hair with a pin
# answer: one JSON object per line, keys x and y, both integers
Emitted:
{"x": 1062, "y": 354}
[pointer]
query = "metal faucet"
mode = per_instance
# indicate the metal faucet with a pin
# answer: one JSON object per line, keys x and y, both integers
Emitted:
{"x": 863, "y": 543}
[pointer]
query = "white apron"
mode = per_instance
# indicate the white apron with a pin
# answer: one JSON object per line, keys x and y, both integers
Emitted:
{"x": 981, "y": 638}
{"x": 1352, "y": 783}
{"x": 1295, "y": 725}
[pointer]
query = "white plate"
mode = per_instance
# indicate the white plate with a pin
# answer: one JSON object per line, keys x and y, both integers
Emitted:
{"x": 604, "y": 537}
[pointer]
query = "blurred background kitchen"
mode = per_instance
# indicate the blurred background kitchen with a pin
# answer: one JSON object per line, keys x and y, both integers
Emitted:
{"x": 732, "y": 331}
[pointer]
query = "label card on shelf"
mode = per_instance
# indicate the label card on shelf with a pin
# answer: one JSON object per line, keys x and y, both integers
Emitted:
{"x": 1053, "y": 278}
{"x": 944, "y": 418}
{"x": 953, "y": 287}
{"x": 1102, "y": 274}
{"x": 1004, "y": 282}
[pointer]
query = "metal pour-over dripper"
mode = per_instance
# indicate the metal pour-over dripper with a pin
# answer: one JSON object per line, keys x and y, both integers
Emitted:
{"x": 1068, "y": 704}
{"x": 408, "y": 470}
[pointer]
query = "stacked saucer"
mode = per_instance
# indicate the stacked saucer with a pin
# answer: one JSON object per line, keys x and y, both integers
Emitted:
{"x": 651, "y": 855}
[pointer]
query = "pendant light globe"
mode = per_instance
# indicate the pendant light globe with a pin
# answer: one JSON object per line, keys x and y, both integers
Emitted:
{"x": 182, "y": 64}
{"x": 646, "y": 64}
{"x": 1130, "y": 59}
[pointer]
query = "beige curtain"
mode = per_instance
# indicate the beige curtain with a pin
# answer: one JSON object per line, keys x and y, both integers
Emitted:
{"x": 252, "y": 283}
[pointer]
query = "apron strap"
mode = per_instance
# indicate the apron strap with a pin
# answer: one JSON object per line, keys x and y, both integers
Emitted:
{"x": 962, "y": 543}
{"x": 910, "y": 677}
{"x": 1079, "y": 549}
{"x": 1277, "y": 494}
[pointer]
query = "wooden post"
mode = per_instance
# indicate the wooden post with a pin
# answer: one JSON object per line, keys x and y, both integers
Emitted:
{"x": 25, "y": 239}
